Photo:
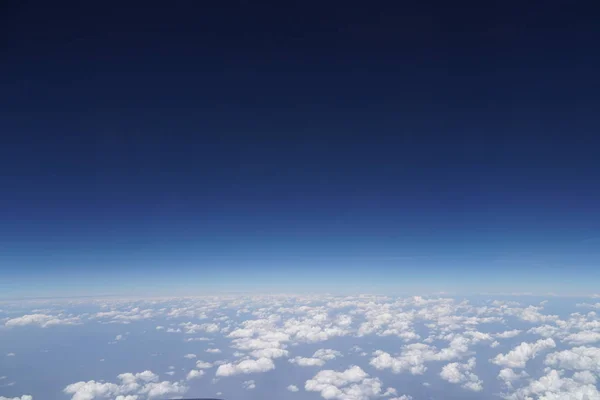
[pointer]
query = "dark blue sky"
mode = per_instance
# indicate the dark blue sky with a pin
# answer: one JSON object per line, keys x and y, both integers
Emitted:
{"x": 412, "y": 144}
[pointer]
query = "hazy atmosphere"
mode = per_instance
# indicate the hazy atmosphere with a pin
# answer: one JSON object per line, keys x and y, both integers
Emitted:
{"x": 292, "y": 200}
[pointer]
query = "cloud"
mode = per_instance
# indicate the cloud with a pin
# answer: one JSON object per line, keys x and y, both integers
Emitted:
{"x": 578, "y": 358}
{"x": 246, "y": 367}
{"x": 553, "y": 386}
{"x": 10, "y": 354}
{"x": 508, "y": 376}
{"x": 130, "y": 385}
{"x": 508, "y": 334}
{"x": 518, "y": 357}
{"x": 269, "y": 353}
{"x": 461, "y": 374}
{"x": 588, "y": 305}
{"x": 212, "y": 350}
{"x": 584, "y": 337}
{"x": 249, "y": 385}
{"x": 43, "y": 320}
{"x": 189, "y": 356}
{"x": 194, "y": 374}
{"x": 318, "y": 358}
{"x": 292, "y": 388}
{"x": 203, "y": 364}
{"x": 24, "y": 397}
{"x": 351, "y": 384}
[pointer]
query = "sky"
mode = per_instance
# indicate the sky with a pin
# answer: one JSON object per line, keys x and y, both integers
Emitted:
{"x": 394, "y": 147}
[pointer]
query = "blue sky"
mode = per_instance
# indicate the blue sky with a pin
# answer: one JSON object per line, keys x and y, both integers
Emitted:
{"x": 160, "y": 156}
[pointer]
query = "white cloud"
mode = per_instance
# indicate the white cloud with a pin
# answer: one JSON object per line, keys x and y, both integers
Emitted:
{"x": 203, "y": 364}
{"x": 189, "y": 356}
{"x": 508, "y": 334}
{"x": 318, "y": 358}
{"x": 292, "y": 388}
{"x": 24, "y": 397}
{"x": 518, "y": 357}
{"x": 578, "y": 358}
{"x": 213, "y": 350}
{"x": 246, "y": 367}
{"x": 461, "y": 374}
{"x": 351, "y": 384}
{"x": 508, "y": 376}
{"x": 269, "y": 353}
{"x": 10, "y": 354}
{"x": 194, "y": 374}
{"x": 249, "y": 385}
{"x": 587, "y": 305}
{"x": 197, "y": 339}
{"x": 553, "y": 386}
{"x": 43, "y": 320}
{"x": 584, "y": 337}
{"x": 131, "y": 385}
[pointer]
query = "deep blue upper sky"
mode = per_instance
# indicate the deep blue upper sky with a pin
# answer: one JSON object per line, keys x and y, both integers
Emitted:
{"x": 305, "y": 142}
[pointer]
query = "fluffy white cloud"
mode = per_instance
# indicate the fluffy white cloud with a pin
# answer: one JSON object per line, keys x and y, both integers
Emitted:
{"x": 292, "y": 388}
{"x": 553, "y": 386}
{"x": 131, "y": 385}
{"x": 194, "y": 374}
{"x": 508, "y": 376}
{"x": 351, "y": 384}
{"x": 203, "y": 364}
{"x": 584, "y": 337}
{"x": 189, "y": 356}
{"x": 508, "y": 334}
{"x": 43, "y": 320}
{"x": 24, "y": 397}
{"x": 518, "y": 357}
{"x": 213, "y": 350}
{"x": 246, "y": 367}
{"x": 318, "y": 358}
{"x": 269, "y": 353}
{"x": 578, "y": 358}
{"x": 461, "y": 374}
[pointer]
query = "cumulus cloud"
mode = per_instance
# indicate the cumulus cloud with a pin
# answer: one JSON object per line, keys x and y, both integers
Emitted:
{"x": 508, "y": 334}
{"x": 213, "y": 350}
{"x": 508, "y": 376}
{"x": 24, "y": 397}
{"x": 461, "y": 374}
{"x": 246, "y": 367}
{"x": 203, "y": 364}
{"x": 292, "y": 388}
{"x": 351, "y": 384}
{"x": 194, "y": 374}
{"x": 318, "y": 358}
{"x": 43, "y": 320}
{"x": 130, "y": 385}
{"x": 189, "y": 356}
{"x": 518, "y": 357}
{"x": 584, "y": 337}
{"x": 553, "y": 386}
{"x": 578, "y": 358}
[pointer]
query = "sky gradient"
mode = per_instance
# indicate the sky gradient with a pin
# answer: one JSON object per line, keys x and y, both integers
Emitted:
{"x": 245, "y": 147}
